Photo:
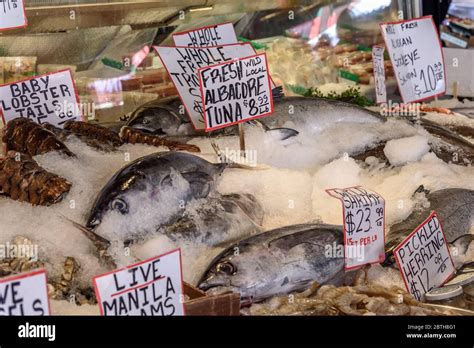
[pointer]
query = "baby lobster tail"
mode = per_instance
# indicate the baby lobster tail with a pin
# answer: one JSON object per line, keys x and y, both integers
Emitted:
{"x": 22, "y": 179}
{"x": 100, "y": 133}
{"x": 134, "y": 136}
{"x": 26, "y": 136}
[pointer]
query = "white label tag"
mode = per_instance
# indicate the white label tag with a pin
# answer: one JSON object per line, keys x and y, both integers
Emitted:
{"x": 152, "y": 288}
{"x": 214, "y": 35}
{"x": 236, "y": 91}
{"x": 12, "y": 14}
{"x": 415, "y": 51}
{"x": 24, "y": 294}
{"x": 183, "y": 63}
{"x": 424, "y": 259}
{"x": 364, "y": 225}
{"x": 48, "y": 98}
{"x": 379, "y": 74}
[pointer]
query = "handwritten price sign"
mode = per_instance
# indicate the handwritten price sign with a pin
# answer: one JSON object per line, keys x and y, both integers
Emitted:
{"x": 214, "y": 35}
{"x": 415, "y": 51}
{"x": 24, "y": 294}
{"x": 183, "y": 63}
{"x": 12, "y": 14}
{"x": 235, "y": 91}
{"x": 379, "y": 74}
{"x": 48, "y": 98}
{"x": 364, "y": 225}
{"x": 424, "y": 259}
{"x": 149, "y": 288}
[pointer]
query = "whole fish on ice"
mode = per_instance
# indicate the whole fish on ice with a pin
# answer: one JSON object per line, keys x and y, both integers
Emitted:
{"x": 171, "y": 193}
{"x": 155, "y": 172}
{"x": 276, "y": 262}
{"x": 455, "y": 209}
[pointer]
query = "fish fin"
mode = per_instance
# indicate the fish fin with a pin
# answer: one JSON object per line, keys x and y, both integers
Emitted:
{"x": 200, "y": 183}
{"x": 282, "y": 133}
{"x": 228, "y": 163}
{"x": 100, "y": 242}
{"x": 277, "y": 93}
{"x": 94, "y": 237}
{"x": 277, "y": 133}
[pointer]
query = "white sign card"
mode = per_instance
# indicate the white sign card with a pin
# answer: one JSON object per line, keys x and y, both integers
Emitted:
{"x": 424, "y": 259}
{"x": 415, "y": 50}
{"x": 364, "y": 225}
{"x": 183, "y": 63}
{"x": 153, "y": 287}
{"x": 12, "y": 14}
{"x": 45, "y": 98}
{"x": 213, "y": 35}
{"x": 379, "y": 74}
{"x": 235, "y": 91}
{"x": 24, "y": 294}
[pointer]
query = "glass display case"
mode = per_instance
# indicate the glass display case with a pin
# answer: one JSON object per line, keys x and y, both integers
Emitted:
{"x": 125, "y": 176}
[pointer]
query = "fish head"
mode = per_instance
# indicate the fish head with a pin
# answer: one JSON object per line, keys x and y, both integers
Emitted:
{"x": 113, "y": 198}
{"x": 140, "y": 197}
{"x": 240, "y": 272}
{"x": 157, "y": 120}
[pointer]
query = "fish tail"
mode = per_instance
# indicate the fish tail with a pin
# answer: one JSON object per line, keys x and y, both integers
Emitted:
{"x": 226, "y": 162}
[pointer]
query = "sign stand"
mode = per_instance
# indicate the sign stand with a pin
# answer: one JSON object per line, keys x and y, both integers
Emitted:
{"x": 242, "y": 139}
{"x": 455, "y": 90}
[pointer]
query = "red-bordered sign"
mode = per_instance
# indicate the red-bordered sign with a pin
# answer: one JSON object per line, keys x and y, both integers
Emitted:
{"x": 31, "y": 274}
{"x": 97, "y": 292}
{"x": 382, "y": 255}
{"x": 25, "y": 20}
{"x": 47, "y": 74}
{"x": 393, "y": 64}
{"x": 245, "y": 119}
{"x": 233, "y": 41}
{"x": 407, "y": 239}
{"x": 208, "y": 47}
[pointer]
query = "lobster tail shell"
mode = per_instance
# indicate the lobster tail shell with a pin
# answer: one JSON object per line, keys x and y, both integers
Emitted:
{"x": 22, "y": 179}
{"x": 25, "y": 136}
{"x": 97, "y": 132}
{"x": 134, "y": 136}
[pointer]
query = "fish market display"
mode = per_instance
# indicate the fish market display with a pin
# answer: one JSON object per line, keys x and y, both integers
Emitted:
{"x": 22, "y": 179}
{"x": 455, "y": 209}
{"x": 276, "y": 262}
{"x": 263, "y": 233}
{"x": 135, "y": 136}
{"x": 26, "y": 136}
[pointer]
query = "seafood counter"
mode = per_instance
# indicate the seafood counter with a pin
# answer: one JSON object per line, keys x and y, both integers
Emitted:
{"x": 93, "y": 199}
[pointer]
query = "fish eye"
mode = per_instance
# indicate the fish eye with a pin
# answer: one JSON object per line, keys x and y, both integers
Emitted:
{"x": 120, "y": 205}
{"x": 226, "y": 268}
